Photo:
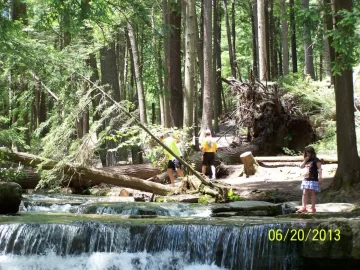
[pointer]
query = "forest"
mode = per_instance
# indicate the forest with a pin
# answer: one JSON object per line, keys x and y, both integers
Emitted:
{"x": 90, "y": 85}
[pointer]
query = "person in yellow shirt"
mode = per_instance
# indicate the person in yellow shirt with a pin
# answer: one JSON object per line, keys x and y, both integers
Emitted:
{"x": 208, "y": 149}
{"x": 173, "y": 163}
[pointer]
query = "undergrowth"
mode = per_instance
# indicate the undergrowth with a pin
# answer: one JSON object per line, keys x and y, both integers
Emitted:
{"x": 316, "y": 99}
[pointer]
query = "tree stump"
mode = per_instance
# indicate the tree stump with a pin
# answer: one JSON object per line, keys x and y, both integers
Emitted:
{"x": 250, "y": 164}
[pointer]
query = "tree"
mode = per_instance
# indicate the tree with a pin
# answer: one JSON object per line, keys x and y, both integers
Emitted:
{"x": 138, "y": 75}
{"x": 208, "y": 72}
{"x": 230, "y": 45}
{"x": 293, "y": 36}
{"x": 175, "y": 64}
{"x": 342, "y": 44}
{"x": 263, "y": 60}
{"x": 167, "y": 82}
{"x": 284, "y": 28}
{"x": 308, "y": 46}
{"x": 190, "y": 61}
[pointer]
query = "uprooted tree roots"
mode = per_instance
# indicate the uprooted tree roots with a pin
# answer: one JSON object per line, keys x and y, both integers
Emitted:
{"x": 270, "y": 120}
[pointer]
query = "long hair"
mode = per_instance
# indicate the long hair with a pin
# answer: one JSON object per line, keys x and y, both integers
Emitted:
{"x": 208, "y": 138}
{"x": 311, "y": 150}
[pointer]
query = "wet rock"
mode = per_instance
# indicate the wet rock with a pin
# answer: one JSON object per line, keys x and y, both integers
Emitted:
{"x": 179, "y": 198}
{"x": 248, "y": 208}
{"x": 10, "y": 197}
{"x": 332, "y": 240}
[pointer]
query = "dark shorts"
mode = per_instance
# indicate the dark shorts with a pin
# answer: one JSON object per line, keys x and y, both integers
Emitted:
{"x": 174, "y": 164}
{"x": 209, "y": 158}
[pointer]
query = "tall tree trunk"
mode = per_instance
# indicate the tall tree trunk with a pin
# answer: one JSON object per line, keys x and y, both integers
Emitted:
{"x": 175, "y": 64}
{"x": 233, "y": 32}
{"x": 157, "y": 56}
{"x": 190, "y": 61}
{"x": 272, "y": 41}
{"x": 308, "y": 47}
{"x": 263, "y": 61}
{"x": 267, "y": 38}
{"x": 217, "y": 97}
{"x": 109, "y": 78}
{"x": 326, "y": 50}
{"x": 167, "y": 82}
{"x": 86, "y": 114}
{"x": 109, "y": 74}
{"x": 230, "y": 45}
{"x": 138, "y": 76}
{"x": 208, "y": 85}
{"x": 94, "y": 77}
{"x": 121, "y": 60}
{"x": 217, "y": 49}
{"x": 293, "y": 36}
{"x": 253, "y": 15}
{"x": 348, "y": 160}
{"x": 284, "y": 28}
{"x": 198, "y": 106}
{"x": 36, "y": 105}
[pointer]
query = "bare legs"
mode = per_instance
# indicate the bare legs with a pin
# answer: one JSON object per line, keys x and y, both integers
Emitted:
{"x": 179, "y": 172}
{"x": 213, "y": 171}
{"x": 170, "y": 172}
{"x": 305, "y": 198}
{"x": 203, "y": 170}
{"x": 171, "y": 176}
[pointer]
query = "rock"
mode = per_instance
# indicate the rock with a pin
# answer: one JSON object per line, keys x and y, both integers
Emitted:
{"x": 10, "y": 197}
{"x": 248, "y": 208}
{"x": 342, "y": 243}
{"x": 179, "y": 198}
{"x": 335, "y": 207}
{"x": 241, "y": 213}
{"x": 124, "y": 193}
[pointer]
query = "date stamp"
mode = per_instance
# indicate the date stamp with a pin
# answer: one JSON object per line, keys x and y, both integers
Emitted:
{"x": 304, "y": 235}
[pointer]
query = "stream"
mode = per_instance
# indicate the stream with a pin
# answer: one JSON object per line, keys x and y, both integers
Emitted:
{"x": 61, "y": 232}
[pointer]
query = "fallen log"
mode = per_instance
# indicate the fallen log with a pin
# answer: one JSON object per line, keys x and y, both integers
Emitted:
{"x": 96, "y": 176}
{"x": 30, "y": 177}
{"x": 231, "y": 156}
{"x": 160, "y": 178}
{"x": 325, "y": 159}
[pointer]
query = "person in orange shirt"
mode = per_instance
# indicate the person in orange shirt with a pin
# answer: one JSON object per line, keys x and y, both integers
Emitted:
{"x": 208, "y": 149}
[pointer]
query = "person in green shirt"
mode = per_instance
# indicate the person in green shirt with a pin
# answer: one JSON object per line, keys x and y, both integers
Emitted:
{"x": 173, "y": 164}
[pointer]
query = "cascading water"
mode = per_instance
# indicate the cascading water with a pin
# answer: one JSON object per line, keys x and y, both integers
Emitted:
{"x": 93, "y": 245}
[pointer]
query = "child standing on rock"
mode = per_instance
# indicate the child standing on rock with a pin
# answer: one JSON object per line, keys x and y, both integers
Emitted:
{"x": 312, "y": 179}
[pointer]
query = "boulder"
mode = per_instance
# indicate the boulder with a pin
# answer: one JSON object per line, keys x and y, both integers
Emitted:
{"x": 10, "y": 197}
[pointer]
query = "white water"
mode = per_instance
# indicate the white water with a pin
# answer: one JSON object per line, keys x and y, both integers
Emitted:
{"x": 102, "y": 261}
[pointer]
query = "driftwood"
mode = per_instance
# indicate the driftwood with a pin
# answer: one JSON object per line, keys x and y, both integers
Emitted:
{"x": 96, "y": 176}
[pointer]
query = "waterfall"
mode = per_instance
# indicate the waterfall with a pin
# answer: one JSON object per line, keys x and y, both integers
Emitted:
{"x": 149, "y": 246}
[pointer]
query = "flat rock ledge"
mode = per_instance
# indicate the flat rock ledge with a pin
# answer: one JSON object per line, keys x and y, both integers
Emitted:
{"x": 247, "y": 208}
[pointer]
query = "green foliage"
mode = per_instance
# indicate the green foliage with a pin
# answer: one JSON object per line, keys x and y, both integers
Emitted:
{"x": 291, "y": 152}
{"x": 13, "y": 135}
{"x": 346, "y": 41}
{"x": 9, "y": 174}
{"x": 233, "y": 197}
{"x": 204, "y": 199}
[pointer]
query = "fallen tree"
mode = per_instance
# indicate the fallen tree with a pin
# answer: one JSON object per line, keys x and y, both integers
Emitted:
{"x": 30, "y": 177}
{"x": 324, "y": 159}
{"x": 96, "y": 176}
